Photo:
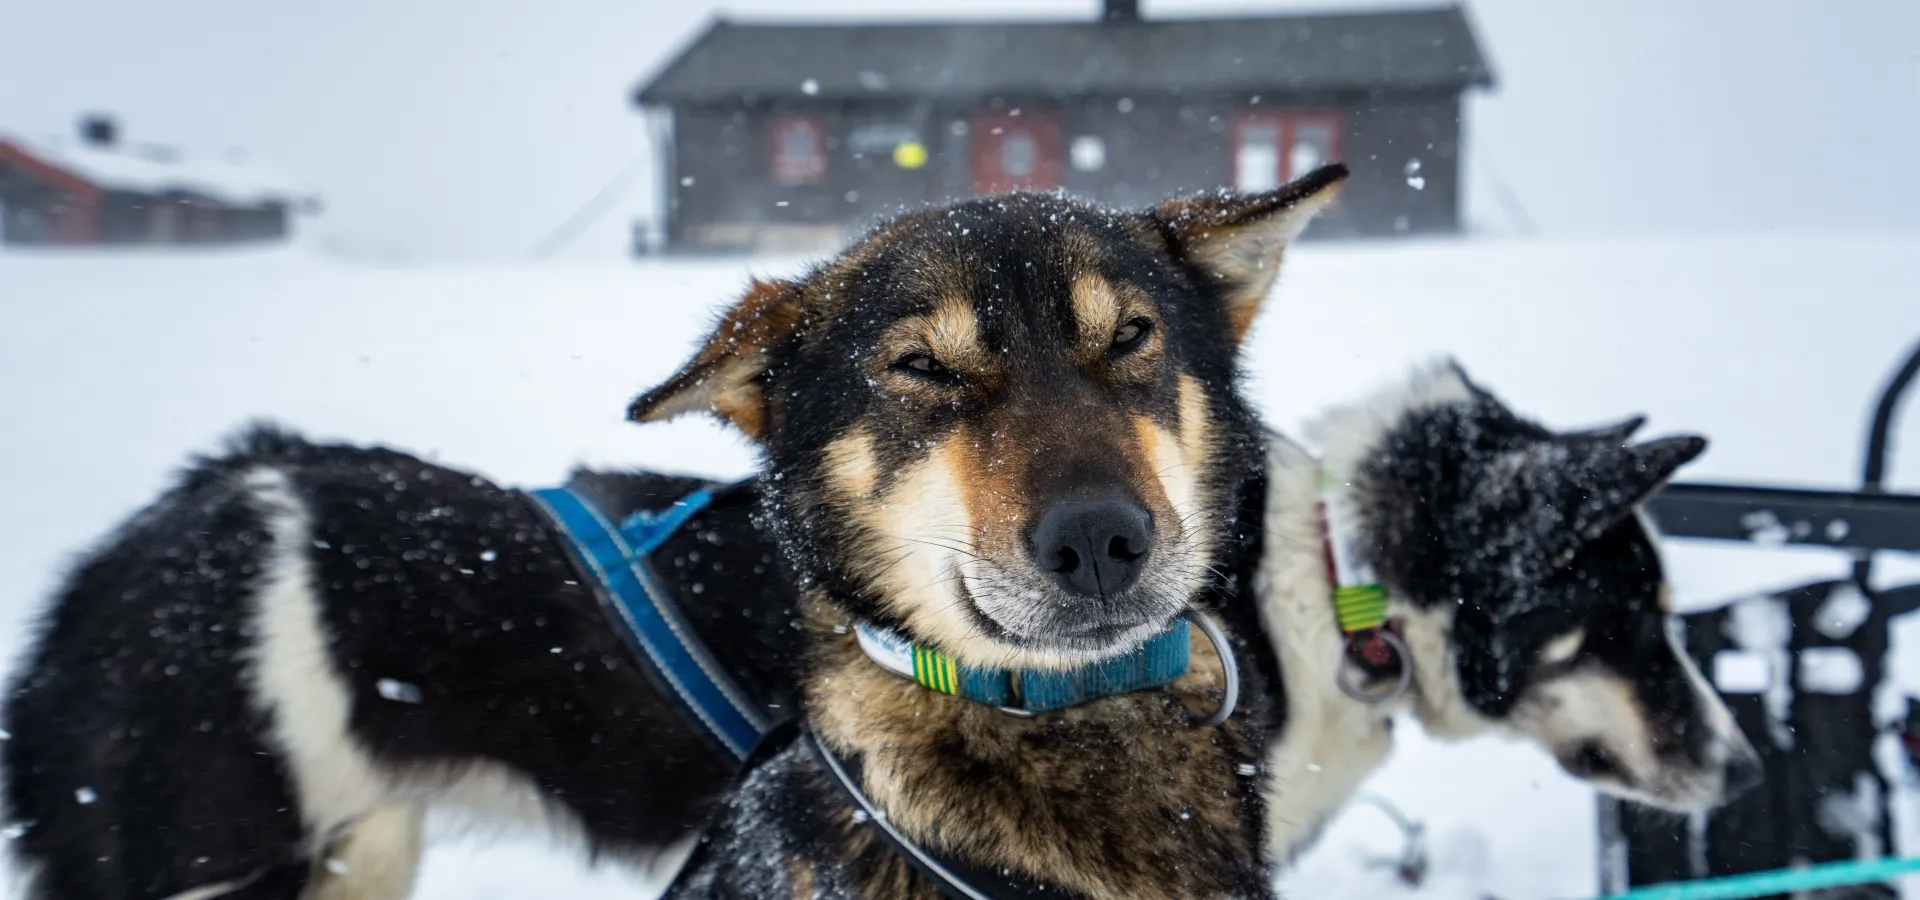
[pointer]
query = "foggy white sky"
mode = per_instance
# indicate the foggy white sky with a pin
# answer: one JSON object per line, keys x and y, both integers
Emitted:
{"x": 466, "y": 128}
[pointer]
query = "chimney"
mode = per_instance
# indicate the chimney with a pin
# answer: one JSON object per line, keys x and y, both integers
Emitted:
{"x": 1120, "y": 11}
{"x": 99, "y": 130}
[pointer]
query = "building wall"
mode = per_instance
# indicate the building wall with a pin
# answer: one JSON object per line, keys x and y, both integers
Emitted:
{"x": 1156, "y": 147}
{"x": 1160, "y": 147}
{"x": 140, "y": 219}
{"x": 35, "y": 212}
{"x": 1404, "y": 151}
{"x": 126, "y": 218}
{"x": 723, "y": 179}
{"x": 1394, "y": 145}
{"x": 43, "y": 205}
{"x": 32, "y": 214}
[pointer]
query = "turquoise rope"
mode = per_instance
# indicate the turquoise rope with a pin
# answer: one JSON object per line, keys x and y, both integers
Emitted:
{"x": 1778, "y": 881}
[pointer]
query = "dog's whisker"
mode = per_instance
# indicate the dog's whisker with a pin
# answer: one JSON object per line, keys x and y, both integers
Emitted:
{"x": 941, "y": 545}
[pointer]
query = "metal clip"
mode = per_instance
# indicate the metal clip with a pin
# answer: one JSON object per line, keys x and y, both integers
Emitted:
{"x": 1344, "y": 674}
{"x": 1229, "y": 668}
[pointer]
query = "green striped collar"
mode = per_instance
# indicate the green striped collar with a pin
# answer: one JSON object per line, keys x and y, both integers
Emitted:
{"x": 1358, "y": 597}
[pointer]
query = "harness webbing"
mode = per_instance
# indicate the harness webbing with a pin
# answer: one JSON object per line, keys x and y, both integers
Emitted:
{"x": 628, "y": 588}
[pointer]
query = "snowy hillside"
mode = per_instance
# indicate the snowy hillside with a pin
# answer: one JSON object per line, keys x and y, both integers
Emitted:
{"x": 118, "y": 366}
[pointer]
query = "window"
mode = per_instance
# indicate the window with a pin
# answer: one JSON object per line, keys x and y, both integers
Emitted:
{"x": 799, "y": 149}
{"x": 1019, "y": 155}
{"x": 880, "y": 138}
{"x": 888, "y": 140}
{"x": 1311, "y": 147}
{"x": 1273, "y": 147}
{"x": 1256, "y": 157}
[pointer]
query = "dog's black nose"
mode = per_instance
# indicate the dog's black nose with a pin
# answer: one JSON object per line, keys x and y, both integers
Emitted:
{"x": 1094, "y": 548}
{"x": 1744, "y": 773}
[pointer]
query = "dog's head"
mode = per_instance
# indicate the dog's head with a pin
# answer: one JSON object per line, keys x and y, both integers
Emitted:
{"x": 1526, "y": 555}
{"x": 1006, "y": 428}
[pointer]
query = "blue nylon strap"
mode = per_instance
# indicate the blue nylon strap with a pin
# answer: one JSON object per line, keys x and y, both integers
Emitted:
{"x": 1780, "y": 881}
{"x": 645, "y": 531}
{"x": 617, "y": 557}
{"x": 993, "y": 687}
{"x": 1158, "y": 662}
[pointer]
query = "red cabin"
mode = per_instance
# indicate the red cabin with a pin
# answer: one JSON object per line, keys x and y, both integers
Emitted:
{"x": 97, "y": 190}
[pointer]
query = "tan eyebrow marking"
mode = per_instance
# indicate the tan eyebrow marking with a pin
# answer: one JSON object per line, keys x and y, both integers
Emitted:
{"x": 1100, "y": 307}
{"x": 1562, "y": 648}
{"x": 1096, "y": 312}
{"x": 953, "y": 334}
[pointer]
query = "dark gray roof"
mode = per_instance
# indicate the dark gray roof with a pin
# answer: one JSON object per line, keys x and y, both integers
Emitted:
{"x": 1414, "y": 49}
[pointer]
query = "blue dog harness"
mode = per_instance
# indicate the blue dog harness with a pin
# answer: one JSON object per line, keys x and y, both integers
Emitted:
{"x": 617, "y": 556}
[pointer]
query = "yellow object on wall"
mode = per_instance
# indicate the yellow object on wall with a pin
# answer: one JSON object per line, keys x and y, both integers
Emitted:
{"x": 910, "y": 155}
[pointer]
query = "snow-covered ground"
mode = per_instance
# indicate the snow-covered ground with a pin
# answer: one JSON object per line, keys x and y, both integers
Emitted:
{"x": 115, "y": 367}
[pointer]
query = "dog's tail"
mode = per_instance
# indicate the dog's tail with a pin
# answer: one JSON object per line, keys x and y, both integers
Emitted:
{"x": 260, "y": 442}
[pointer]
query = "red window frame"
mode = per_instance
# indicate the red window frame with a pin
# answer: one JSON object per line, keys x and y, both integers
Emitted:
{"x": 787, "y": 170}
{"x": 1286, "y": 124}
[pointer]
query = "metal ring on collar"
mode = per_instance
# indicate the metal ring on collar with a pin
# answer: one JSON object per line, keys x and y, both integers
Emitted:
{"x": 1344, "y": 678}
{"x": 1229, "y": 668}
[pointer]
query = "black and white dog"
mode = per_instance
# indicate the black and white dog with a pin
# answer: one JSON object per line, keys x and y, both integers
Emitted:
{"x": 1525, "y": 584}
{"x": 254, "y": 688}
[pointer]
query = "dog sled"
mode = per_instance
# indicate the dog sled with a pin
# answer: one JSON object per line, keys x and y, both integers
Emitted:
{"x": 1804, "y": 671}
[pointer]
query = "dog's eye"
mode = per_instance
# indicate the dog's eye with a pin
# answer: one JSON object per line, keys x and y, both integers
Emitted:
{"x": 1590, "y": 760}
{"x": 1130, "y": 336}
{"x": 923, "y": 365}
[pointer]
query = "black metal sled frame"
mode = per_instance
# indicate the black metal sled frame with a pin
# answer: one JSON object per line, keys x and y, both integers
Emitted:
{"x": 1848, "y": 520}
{"x": 1864, "y": 521}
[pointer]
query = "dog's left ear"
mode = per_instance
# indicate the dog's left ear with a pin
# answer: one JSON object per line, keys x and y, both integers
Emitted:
{"x": 724, "y": 377}
{"x": 1611, "y": 481}
{"x": 1235, "y": 241}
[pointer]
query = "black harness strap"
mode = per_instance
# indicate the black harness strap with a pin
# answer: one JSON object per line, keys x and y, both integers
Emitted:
{"x": 957, "y": 879}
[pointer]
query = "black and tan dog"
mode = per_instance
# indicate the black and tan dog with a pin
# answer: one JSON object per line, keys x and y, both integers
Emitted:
{"x": 1009, "y": 430}
{"x": 1009, "y": 434}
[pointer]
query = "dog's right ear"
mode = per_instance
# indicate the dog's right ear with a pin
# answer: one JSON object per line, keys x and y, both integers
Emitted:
{"x": 1235, "y": 241}
{"x": 724, "y": 377}
{"x": 1618, "y": 433}
{"x": 1601, "y": 486}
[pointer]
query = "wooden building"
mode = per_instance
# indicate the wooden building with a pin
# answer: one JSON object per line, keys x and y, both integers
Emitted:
{"x": 98, "y": 190}
{"x": 788, "y": 136}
